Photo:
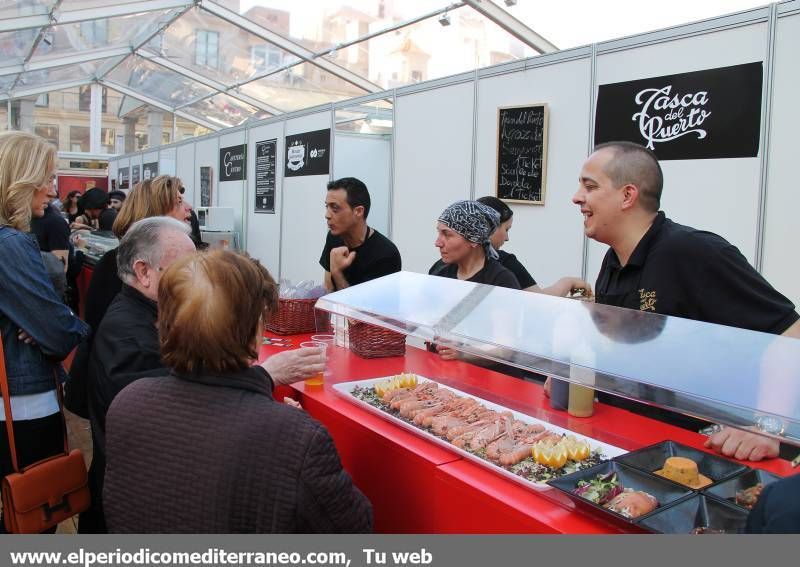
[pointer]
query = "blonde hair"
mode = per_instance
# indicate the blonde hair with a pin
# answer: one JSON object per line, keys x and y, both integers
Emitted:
{"x": 210, "y": 307}
{"x": 151, "y": 198}
{"x": 26, "y": 163}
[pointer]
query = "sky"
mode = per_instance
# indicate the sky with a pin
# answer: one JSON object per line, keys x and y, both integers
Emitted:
{"x": 555, "y": 20}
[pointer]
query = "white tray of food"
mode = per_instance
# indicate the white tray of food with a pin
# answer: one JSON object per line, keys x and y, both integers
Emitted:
{"x": 522, "y": 448}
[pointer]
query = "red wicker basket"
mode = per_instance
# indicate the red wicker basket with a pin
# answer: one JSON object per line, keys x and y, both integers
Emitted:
{"x": 369, "y": 341}
{"x": 293, "y": 316}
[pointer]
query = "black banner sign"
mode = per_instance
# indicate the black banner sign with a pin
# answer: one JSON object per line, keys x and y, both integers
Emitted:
{"x": 715, "y": 113}
{"x": 266, "y": 154}
{"x": 150, "y": 170}
{"x": 233, "y": 163}
{"x": 521, "y": 153}
{"x": 308, "y": 153}
{"x": 122, "y": 174}
{"x": 135, "y": 175}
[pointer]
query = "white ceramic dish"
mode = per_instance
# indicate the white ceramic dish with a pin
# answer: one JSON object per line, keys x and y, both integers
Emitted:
{"x": 345, "y": 389}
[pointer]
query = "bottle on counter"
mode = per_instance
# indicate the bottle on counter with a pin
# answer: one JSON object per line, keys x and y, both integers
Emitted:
{"x": 581, "y": 395}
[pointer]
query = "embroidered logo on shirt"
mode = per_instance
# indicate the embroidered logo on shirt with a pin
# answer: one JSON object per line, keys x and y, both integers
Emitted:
{"x": 647, "y": 300}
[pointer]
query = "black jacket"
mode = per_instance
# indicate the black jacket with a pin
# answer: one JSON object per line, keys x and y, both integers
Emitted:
{"x": 217, "y": 454}
{"x": 125, "y": 348}
{"x": 777, "y": 510}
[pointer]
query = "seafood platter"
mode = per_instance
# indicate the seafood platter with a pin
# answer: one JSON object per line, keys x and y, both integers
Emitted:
{"x": 669, "y": 488}
{"x": 525, "y": 449}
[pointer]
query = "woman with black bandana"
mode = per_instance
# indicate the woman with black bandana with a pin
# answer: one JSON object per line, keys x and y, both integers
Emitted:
{"x": 463, "y": 231}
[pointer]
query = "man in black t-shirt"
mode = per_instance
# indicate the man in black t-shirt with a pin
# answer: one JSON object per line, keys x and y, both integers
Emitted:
{"x": 354, "y": 253}
{"x": 654, "y": 264}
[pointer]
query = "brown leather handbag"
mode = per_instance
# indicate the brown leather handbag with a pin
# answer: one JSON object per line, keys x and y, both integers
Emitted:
{"x": 45, "y": 493}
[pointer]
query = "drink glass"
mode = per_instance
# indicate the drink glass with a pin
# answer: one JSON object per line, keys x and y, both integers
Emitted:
{"x": 319, "y": 378}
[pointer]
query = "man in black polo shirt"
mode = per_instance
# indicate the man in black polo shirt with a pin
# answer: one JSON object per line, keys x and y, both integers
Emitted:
{"x": 354, "y": 253}
{"x": 654, "y": 264}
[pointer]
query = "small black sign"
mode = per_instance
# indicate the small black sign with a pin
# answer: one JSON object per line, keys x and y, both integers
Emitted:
{"x": 150, "y": 170}
{"x": 715, "y": 113}
{"x": 308, "y": 153}
{"x": 266, "y": 153}
{"x": 522, "y": 153}
{"x": 134, "y": 175}
{"x": 205, "y": 186}
{"x": 122, "y": 174}
{"x": 233, "y": 163}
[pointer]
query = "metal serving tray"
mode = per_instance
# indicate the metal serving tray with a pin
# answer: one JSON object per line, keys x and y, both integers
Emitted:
{"x": 665, "y": 491}
{"x": 651, "y": 458}
{"x": 727, "y": 490}
{"x": 345, "y": 389}
{"x": 697, "y": 511}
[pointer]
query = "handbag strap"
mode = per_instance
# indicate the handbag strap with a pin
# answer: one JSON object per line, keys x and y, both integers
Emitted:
{"x": 12, "y": 446}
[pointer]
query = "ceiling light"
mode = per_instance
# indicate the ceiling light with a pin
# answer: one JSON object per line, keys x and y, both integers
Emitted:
{"x": 444, "y": 19}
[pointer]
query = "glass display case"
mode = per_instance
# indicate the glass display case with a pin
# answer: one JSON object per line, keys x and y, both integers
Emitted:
{"x": 94, "y": 244}
{"x": 721, "y": 374}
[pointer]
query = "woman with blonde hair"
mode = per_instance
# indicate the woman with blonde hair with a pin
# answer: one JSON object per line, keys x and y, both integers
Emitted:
{"x": 271, "y": 467}
{"x": 38, "y": 330}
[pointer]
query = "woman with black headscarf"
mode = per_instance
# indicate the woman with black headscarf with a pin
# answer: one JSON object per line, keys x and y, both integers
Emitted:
{"x": 463, "y": 241}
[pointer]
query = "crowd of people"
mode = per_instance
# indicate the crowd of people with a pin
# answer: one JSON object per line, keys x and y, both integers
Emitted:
{"x": 165, "y": 367}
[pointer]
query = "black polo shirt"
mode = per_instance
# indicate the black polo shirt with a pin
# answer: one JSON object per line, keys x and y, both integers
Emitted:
{"x": 680, "y": 271}
{"x": 376, "y": 257}
{"x": 492, "y": 273}
{"x": 510, "y": 261}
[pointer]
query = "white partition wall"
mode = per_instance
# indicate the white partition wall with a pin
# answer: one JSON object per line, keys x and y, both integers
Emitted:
{"x": 433, "y": 166}
{"x": 206, "y": 154}
{"x": 230, "y": 193}
{"x": 303, "y": 211}
{"x": 781, "y": 266}
{"x": 184, "y": 170}
{"x": 719, "y": 195}
{"x": 369, "y": 159}
{"x": 547, "y": 239}
{"x": 264, "y": 229}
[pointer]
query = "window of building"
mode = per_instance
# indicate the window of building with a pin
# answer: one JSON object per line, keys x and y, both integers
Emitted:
{"x": 265, "y": 57}
{"x": 43, "y": 100}
{"x": 207, "y": 49}
{"x": 47, "y": 131}
{"x": 108, "y": 140}
{"x": 141, "y": 140}
{"x": 85, "y": 99}
{"x": 95, "y": 32}
{"x": 416, "y": 76}
{"x": 79, "y": 138}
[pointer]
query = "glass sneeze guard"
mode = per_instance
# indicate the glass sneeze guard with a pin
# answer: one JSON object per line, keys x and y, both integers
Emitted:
{"x": 723, "y": 374}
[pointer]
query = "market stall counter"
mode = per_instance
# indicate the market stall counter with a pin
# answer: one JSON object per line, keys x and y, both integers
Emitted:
{"x": 417, "y": 486}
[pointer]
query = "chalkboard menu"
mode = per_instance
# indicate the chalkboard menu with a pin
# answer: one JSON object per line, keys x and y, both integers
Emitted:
{"x": 205, "y": 186}
{"x": 266, "y": 153}
{"x": 522, "y": 153}
{"x": 123, "y": 173}
{"x": 134, "y": 175}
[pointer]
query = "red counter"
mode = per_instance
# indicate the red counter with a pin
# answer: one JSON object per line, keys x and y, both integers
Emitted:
{"x": 416, "y": 486}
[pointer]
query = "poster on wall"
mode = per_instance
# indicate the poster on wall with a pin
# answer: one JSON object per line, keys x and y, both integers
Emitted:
{"x": 710, "y": 114}
{"x": 205, "y": 186}
{"x": 134, "y": 175}
{"x": 266, "y": 154}
{"x": 122, "y": 175}
{"x": 308, "y": 153}
{"x": 150, "y": 170}
{"x": 233, "y": 163}
{"x": 522, "y": 153}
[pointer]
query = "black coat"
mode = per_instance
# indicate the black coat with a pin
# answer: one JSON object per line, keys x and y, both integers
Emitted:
{"x": 778, "y": 508}
{"x": 217, "y": 454}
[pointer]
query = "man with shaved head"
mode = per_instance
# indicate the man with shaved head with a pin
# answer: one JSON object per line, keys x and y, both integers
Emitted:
{"x": 654, "y": 264}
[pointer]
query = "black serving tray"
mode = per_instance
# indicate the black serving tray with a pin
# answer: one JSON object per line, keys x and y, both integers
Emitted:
{"x": 694, "y": 512}
{"x": 665, "y": 491}
{"x": 651, "y": 459}
{"x": 727, "y": 490}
